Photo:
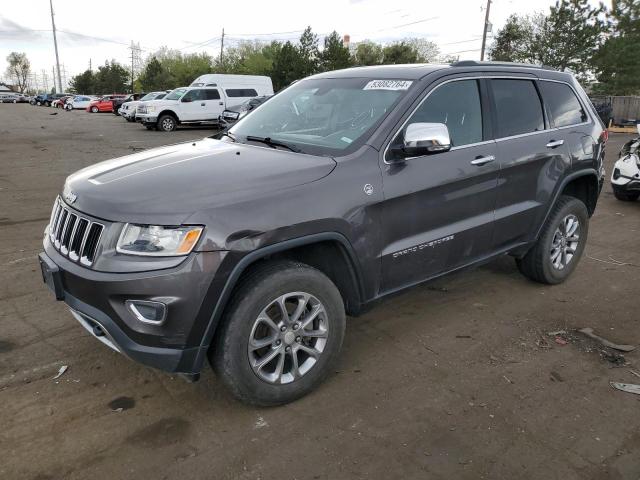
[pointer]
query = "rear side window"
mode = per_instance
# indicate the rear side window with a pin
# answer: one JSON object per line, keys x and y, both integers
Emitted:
{"x": 241, "y": 92}
{"x": 457, "y": 105}
{"x": 211, "y": 94}
{"x": 518, "y": 107}
{"x": 563, "y": 105}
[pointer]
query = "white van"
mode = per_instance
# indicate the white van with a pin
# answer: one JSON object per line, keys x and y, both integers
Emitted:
{"x": 202, "y": 102}
{"x": 237, "y": 88}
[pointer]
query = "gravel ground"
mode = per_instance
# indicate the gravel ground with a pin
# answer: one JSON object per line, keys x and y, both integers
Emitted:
{"x": 457, "y": 379}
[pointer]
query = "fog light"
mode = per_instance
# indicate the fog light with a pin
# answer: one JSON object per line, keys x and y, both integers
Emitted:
{"x": 147, "y": 311}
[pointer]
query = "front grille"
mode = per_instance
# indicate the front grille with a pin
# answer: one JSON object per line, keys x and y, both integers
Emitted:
{"x": 73, "y": 235}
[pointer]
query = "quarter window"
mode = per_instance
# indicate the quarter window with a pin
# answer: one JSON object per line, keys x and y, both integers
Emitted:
{"x": 457, "y": 105}
{"x": 518, "y": 107}
{"x": 241, "y": 92}
{"x": 564, "y": 107}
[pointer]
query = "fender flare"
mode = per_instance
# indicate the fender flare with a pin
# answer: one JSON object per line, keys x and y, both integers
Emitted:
{"x": 256, "y": 255}
{"x": 560, "y": 189}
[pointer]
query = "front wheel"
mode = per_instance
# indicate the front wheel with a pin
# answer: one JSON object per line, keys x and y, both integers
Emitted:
{"x": 167, "y": 123}
{"x": 560, "y": 245}
{"x": 281, "y": 334}
{"x": 94, "y": 110}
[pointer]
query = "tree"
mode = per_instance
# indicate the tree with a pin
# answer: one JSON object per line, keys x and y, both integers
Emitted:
{"x": 18, "y": 69}
{"x": 111, "y": 78}
{"x": 154, "y": 77}
{"x": 287, "y": 64}
{"x": 368, "y": 53}
{"x": 83, "y": 83}
{"x": 308, "y": 52}
{"x": 399, "y": 52}
{"x": 514, "y": 41}
{"x": 335, "y": 55}
{"x": 427, "y": 51}
{"x": 570, "y": 36}
{"x": 617, "y": 62}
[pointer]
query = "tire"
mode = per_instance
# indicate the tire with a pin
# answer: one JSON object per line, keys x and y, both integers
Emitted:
{"x": 626, "y": 196}
{"x": 95, "y": 109}
{"x": 539, "y": 264}
{"x": 167, "y": 123}
{"x": 231, "y": 354}
{"x": 15, "y": 101}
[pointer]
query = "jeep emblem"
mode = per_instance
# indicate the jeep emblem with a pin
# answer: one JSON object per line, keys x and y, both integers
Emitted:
{"x": 69, "y": 196}
{"x": 368, "y": 189}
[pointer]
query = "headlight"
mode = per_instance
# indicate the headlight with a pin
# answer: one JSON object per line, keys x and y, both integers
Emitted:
{"x": 242, "y": 114}
{"x": 150, "y": 109}
{"x": 157, "y": 241}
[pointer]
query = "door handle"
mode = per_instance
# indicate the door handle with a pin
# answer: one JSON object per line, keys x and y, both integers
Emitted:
{"x": 220, "y": 103}
{"x": 202, "y": 104}
{"x": 479, "y": 161}
{"x": 555, "y": 143}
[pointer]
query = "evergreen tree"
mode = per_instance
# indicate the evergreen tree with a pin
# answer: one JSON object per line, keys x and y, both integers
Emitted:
{"x": 83, "y": 83}
{"x": 335, "y": 55}
{"x": 368, "y": 53}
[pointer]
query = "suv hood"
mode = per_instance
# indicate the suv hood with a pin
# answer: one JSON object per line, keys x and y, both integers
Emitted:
{"x": 162, "y": 102}
{"x": 166, "y": 185}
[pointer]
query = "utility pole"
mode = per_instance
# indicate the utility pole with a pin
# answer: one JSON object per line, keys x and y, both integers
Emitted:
{"x": 221, "y": 46}
{"x": 45, "y": 81}
{"x": 484, "y": 31}
{"x": 55, "y": 44}
{"x": 132, "y": 53}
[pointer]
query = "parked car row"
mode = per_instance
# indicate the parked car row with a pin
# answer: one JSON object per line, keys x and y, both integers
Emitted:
{"x": 14, "y": 98}
{"x": 214, "y": 99}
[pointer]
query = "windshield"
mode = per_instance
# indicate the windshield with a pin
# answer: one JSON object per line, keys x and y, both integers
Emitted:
{"x": 176, "y": 94}
{"x": 148, "y": 96}
{"x": 323, "y": 116}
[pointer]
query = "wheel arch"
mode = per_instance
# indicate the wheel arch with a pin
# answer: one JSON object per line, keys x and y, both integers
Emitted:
{"x": 583, "y": 185}
{"x": 312, "y": 250}
{"x": 169, "y": 112}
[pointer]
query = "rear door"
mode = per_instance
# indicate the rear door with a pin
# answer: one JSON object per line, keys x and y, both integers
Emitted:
{"x": 532, "y": 155}
{"x": 438, "y": 208}
{"x": 214, "y": 105}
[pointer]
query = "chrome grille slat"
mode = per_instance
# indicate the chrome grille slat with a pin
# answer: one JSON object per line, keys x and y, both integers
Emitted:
{"x": 74, "y": 235}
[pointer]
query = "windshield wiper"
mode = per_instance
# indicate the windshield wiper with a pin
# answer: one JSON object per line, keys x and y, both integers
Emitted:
{"x": 273, "y": 143}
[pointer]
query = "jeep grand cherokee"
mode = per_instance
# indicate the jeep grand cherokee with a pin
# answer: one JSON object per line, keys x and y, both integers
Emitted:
{"x": 250, "y": 249}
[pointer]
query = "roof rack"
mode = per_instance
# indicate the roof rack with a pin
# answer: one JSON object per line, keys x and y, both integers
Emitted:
{"x": 476, "y": 63}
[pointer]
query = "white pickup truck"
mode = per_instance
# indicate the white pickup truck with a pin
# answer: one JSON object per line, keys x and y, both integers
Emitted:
{"x": 202, "y": 102}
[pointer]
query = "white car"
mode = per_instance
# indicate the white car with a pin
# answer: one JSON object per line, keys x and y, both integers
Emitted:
{"x": 128, "y": 109}
{"x": 79, "y": 102}
{"x": 203, "y": 101}
{"x": 625, "y": 178}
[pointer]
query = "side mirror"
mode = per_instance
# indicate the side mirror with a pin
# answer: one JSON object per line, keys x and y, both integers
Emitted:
{"x": 187, "y": 99}
{"x": 425, "y": 138}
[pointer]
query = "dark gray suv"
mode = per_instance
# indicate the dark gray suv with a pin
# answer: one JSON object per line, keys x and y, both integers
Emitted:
{"x": 250, "y": 249}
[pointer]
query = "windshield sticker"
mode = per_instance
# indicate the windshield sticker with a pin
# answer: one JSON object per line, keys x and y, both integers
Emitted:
{"x": 388, "y": 85}
{"x": 346, "y": 140}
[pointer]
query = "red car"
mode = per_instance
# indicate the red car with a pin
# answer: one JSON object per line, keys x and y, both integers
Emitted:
{"x": 103, "y": 104}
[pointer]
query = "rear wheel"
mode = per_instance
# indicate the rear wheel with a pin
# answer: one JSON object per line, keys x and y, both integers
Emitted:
{"x": 280, "y": 335}
{"x": 560, "y": 245}
{"x": 626, "y": 196}
{"x": 167, "y": 123}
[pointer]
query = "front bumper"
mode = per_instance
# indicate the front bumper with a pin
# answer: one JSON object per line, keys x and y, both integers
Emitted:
{"x": 147, "y": 118}
{"x": 626, "y": 174}
{"x": 97, "y": 301}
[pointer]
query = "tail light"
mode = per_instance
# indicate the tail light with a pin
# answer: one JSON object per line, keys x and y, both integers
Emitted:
{"x": 604, "y": 136}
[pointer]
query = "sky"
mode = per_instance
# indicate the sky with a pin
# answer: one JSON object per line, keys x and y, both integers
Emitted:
{"x": 95, "y": 31}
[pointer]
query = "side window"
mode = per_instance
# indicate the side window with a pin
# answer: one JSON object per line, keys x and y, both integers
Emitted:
{"x": 457, "y": 105}
{"x": 564, "y": 107}
{"x": 241, "y": 92}
{"x": 211, "y": 94}
{"x": 518, "y": 107}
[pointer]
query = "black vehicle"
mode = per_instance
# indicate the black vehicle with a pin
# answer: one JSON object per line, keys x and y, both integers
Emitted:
{"x": 117, "y": 102}
{"x": 48, "y": 98}
{"x": 342, "y": 189}
{"x": 231, "y": 116}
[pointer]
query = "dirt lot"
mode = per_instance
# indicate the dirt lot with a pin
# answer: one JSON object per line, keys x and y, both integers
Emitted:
{"x": 453, "y": 380}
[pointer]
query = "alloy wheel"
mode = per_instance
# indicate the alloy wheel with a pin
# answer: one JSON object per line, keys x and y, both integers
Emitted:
{"x": 565, "y": 242}
{"x": 288, "y": 338}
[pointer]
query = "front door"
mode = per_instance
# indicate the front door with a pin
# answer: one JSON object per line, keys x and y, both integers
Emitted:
{"x": 439, "y": 208}
{"x": 192, "y": 106}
